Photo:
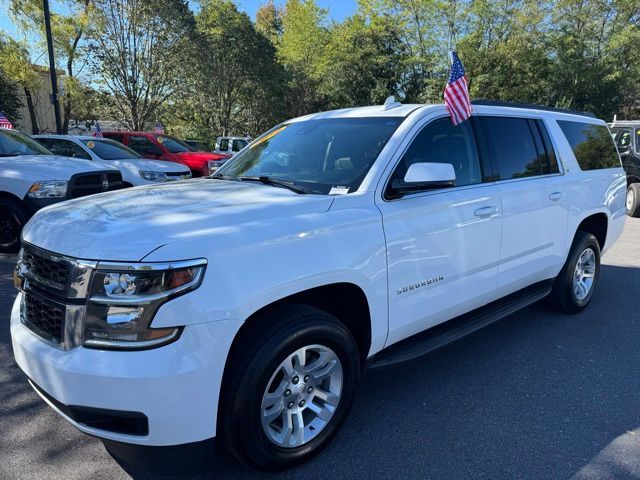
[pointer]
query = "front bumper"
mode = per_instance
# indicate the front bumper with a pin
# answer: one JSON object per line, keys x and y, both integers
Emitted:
{"x": 176, "y": 387}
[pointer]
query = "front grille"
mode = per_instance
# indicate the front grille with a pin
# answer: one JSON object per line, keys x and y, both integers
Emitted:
{"x": 46, "y": 269}
{"x": 44, "y": 317}
{"x": 83, "y": 184}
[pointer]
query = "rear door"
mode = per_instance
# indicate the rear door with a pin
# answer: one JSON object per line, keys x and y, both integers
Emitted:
{"x": 443, "y": 246}
{"x": 534, "y": 200}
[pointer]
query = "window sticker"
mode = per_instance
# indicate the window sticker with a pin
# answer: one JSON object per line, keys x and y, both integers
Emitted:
{"x": 160, "y": 139}
{"x": 91, "y": 144}
{"x": 339, "y": 190}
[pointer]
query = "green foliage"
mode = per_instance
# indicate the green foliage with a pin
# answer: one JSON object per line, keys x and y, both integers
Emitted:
{"x": 216, "y": 72}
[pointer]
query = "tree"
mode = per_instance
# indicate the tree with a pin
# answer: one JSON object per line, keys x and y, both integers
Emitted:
{"x": 16, "y": 66}
{"x": 304, "y": 37}
{"x": 506, "y": 52}
{"x": 362, "y": 62}
{"x": 71, "y": 33}
{"x": 269, "y": 21}
{"x": 235, "y": 83}
{"x": 140, "y": 55}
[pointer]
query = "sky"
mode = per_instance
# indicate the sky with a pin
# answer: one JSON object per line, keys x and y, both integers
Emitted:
{"x": 338, "y": 10}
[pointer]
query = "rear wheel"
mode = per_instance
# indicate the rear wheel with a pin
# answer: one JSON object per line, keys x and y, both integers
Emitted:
{"x": 633, "y": 200}
{"x": 13, "y": 217}
{"x": 288, "y": 387}
{"x": 574, "y": 286}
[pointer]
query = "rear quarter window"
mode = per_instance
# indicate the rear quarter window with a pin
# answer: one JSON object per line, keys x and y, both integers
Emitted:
{"x": 591, "y": 144}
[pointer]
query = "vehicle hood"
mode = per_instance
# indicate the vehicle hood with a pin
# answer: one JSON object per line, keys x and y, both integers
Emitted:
{"x": 128, "y": 224}
{"x": 48, "y": 167}
{"x": 200, "y": 157}
{"x": 135, "y": 164}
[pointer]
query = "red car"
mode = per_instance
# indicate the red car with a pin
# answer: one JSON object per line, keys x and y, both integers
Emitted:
{"x": 166, "y": 147}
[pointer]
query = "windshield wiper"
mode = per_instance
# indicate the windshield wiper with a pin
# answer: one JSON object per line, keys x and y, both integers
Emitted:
{"x": 275, "y": 182}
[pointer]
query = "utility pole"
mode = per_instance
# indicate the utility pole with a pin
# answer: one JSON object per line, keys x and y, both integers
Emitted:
{"x": 52, "y": 67}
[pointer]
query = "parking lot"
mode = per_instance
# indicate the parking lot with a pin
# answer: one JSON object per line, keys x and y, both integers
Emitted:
{"x": 537, "y": 395}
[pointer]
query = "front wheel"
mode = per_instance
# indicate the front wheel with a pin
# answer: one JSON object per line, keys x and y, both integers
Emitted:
{"x": 13, "y": 217}
{"x": 574, "y": 286}
{"x": 288, "y": 387}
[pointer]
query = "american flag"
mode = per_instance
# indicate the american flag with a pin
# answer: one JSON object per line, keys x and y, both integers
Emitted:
{"x": 4, "y": 122}
{"x": 98, "y": 130}
{"x": 456, "y": 93}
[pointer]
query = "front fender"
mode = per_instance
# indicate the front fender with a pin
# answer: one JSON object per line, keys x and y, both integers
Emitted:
{"x": 250, "y": 268}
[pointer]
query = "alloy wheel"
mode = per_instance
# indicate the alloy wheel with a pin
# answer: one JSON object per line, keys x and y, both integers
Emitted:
{"x": 584, "y": 274}
{"x": 302, "y": 396}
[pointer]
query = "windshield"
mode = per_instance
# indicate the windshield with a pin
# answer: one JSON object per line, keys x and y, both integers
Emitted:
{"x": 173, "y": 144}
{"x": 14, "y": 143}
{"x": 110, "y": 149}
{"x": 320, "y": 155}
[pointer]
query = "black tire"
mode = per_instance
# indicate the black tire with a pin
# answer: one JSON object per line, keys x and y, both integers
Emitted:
{"x": 563, "y": 296}
{"x": 633, "y": 200}
{"x": 261, "y": 349}
{"x": 13, "y": 217}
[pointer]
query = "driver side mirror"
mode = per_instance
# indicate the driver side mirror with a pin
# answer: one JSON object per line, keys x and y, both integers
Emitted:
{"x": 424, "y": 176}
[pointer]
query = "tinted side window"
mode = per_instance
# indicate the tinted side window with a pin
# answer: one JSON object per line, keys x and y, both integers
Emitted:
{"x": 442, "y": 142}
{"x": 143, "y": 145}
{"x": 238, "y": 145}
{"x": 68, "y": 149}
{"x": 550, "y": 162}
{"x": 117, "y": 138}
{"x": 513, "y": 147}
{"x": 224, "y": 145}
{"x": 591, "y": 144}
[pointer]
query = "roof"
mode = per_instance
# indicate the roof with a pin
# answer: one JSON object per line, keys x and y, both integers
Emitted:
{"x": 364, "y": 112}
{"x": 482, "y": 106}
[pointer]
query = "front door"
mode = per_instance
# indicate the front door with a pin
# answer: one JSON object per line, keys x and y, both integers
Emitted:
{"x": 443, "y": 246}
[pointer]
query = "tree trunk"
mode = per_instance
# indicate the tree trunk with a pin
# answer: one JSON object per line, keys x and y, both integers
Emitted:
{"x": 35, "y": 129}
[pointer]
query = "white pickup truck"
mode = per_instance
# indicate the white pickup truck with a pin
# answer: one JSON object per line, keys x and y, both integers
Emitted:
{"x": 243, "y": 308}
{"x": 31, "y": 177}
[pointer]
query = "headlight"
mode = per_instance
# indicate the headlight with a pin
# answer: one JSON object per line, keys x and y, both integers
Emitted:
{"x": 124, "y": 299}
{"x": 153, "y": 176}
{"x": 48, "y": 189}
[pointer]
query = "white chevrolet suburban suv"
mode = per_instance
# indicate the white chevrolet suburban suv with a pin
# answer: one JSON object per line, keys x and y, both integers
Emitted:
{"x": 242, "y": 309}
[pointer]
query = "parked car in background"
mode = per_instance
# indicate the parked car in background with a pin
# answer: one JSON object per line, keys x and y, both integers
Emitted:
{"x": 626, "y": 135}
{"x": 242, "y": 309}
{"x": 31, "y": 177}
{"x": 135, "y": 169}
{"x": 165, "y": 147}
{"x": 198, "y": 145}
{"x": 231, "y": 145}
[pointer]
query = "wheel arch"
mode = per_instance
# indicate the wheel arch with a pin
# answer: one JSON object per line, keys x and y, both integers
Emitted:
{"x": 632, "y": 179}
{"x": 596, "y": 224}
{"x": 344, "y": 300}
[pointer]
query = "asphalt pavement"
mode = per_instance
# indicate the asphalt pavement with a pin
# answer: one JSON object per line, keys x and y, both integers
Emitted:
{"x": 537, "y": 395}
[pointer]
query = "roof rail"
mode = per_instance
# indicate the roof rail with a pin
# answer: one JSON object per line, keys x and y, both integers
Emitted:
{"x": 499, "y": 103}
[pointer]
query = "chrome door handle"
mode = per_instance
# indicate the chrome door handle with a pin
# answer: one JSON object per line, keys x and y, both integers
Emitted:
{"x": 555, "y": 196}
{"x": 485, "y": 211}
